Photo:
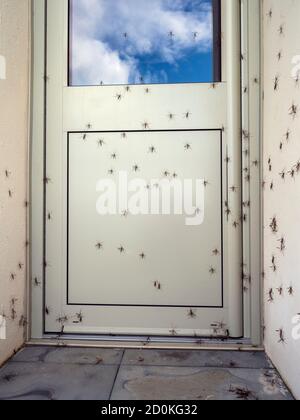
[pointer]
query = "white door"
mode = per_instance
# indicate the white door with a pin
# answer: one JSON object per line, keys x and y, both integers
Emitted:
{"x": 136, "y": 271}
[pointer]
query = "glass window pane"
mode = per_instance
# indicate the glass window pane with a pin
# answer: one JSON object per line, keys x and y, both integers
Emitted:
{"x": 115, "y": 42}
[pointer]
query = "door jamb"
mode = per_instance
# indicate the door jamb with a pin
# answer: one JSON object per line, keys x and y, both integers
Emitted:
{"x": 252, "y": 161}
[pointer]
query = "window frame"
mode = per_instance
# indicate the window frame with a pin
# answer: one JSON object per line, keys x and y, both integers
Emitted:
{"x": 217, "y": 62}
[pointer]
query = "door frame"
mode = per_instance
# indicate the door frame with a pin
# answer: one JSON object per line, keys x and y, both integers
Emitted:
{"x": 250, "y": 122}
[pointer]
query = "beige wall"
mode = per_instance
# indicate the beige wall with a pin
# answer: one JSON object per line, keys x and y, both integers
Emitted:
{"x": 14, "y": 49}
{"x": 283, "y": 200}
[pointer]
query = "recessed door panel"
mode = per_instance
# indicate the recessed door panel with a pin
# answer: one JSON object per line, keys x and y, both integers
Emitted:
{"x": 146, "y": 259}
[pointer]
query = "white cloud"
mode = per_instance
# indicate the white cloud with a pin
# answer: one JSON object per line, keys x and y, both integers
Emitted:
{"x": 93, "y": 62}
{"x": 101, "y": 51}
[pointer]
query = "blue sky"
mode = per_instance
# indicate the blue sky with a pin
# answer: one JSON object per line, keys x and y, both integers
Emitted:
{"x": 129, "y": 41}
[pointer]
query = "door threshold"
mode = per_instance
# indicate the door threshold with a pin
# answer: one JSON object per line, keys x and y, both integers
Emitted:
{"x": 154, "y": 343}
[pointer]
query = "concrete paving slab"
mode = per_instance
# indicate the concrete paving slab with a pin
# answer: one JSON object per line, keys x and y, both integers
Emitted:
{"x": 32, "y": 354}
{"x": 197, "y": 358}
{"x": 49, "y": 381}
{"x": 60, "y": 373}
{"x": 180, "y": 383}
{"x": 69, "y": 355}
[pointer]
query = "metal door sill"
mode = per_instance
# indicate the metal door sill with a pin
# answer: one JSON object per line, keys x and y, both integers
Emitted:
{"x": 156, "y": 343}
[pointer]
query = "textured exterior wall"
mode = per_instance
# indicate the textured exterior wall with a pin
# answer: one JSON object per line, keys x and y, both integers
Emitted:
{"x": 282, "y": 188}
{"x": 14, "y": 49}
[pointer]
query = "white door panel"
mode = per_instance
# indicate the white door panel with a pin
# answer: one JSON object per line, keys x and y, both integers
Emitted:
{"x": 104, "y": 291}
{"x": 156, "y": 248}
{"x": 205, "y": 103}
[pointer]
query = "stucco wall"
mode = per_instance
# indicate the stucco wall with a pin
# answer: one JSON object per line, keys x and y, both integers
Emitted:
{"x": 14, "y": 52}
{"x": 282, "y": 187}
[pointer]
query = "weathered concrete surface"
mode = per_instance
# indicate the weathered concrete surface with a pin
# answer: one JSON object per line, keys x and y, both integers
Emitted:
{"x": 170, "y": 383}
{"x": 70, "y": 355}
{"x": 49, "y": 373}
{"x": 51, "y": 381}
{"x": 255, "y": 360}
